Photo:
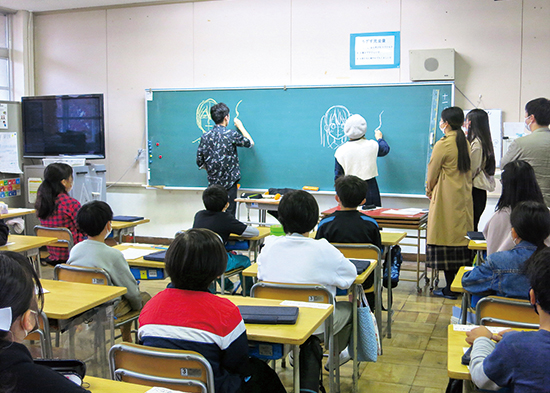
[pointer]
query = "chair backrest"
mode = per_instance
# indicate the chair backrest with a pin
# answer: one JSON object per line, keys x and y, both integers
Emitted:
{"x": 501, "y": 311}
{"x": 359, "y": 250}
{"x": 300, "y": 292}
{"x": 63, "y": 235}
{"x": 41, "y": 334}
{"x": 174, "y": 369}
{"x": 82, "y": 274}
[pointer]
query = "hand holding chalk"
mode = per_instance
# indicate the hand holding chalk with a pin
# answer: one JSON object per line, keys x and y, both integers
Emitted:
{"x": 378, "y": 135}
{"x": 238, "y": 123}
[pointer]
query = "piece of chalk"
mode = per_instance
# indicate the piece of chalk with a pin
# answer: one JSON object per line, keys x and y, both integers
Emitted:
{"x": 310, "y": 188}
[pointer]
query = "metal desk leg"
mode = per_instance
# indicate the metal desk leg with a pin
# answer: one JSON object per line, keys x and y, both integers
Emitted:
{"x": 296, "y": 368}
{"x": 378, "y": 298}
{"x": 390, "y": 292}
{"x": 355, "y": 299}
{"x": 464, "y": 311}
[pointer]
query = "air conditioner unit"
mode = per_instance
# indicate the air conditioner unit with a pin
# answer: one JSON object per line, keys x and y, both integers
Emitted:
{"x": 432, "y": 64}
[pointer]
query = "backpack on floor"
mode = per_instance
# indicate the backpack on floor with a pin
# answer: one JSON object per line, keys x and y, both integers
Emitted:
{"x": 396, "y": 261}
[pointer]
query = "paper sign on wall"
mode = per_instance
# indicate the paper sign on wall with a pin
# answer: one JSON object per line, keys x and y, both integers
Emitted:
{"x": 9, "y": 154}
{"x": 374, "y": 50}
{"x": 4, "y": 116}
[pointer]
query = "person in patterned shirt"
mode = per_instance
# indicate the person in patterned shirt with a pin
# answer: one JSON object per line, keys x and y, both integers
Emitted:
{"x": 217, "y": 152}
{"x": 55, "y": 208}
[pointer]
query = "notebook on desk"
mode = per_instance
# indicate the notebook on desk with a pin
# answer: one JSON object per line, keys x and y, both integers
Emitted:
{"x": 360, "y": 264}
{"x": 156, "y": 256}
{"x": 272, "y": 315}
{"x": 127, "y": 218}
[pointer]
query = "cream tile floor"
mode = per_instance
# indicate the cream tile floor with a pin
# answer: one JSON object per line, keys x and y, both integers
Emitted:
{"x": 414, "y": 359}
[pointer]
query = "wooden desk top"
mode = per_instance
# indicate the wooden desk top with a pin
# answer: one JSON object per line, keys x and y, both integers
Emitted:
{"x": 68, "y": 299}
{"x": 16, "y": 212}
{"x": 456, "y": 285}
{"x": 101, "y": 385}
{"x": 25, "y": 243}
{"x": 477, "y": 245}
{"x": 264, "y": 232}
{"x": 309, "y": 319}
{"x": 261, "y": 201}
{"x": 117, "y": 225}
{"x": 392, "y": 238}
{"x": 455, "y": 349}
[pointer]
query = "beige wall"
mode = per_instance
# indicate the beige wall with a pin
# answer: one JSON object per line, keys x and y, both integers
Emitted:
{"x": 502, "y": 48}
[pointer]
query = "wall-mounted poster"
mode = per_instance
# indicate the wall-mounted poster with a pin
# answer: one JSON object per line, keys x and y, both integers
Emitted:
{"x": 374, "y": 50}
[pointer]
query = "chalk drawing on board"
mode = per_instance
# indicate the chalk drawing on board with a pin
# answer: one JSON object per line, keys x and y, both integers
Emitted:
{"x": 332, "y": 126}
{"x": 379, "y": 122}
{"x": 203, "y": 119}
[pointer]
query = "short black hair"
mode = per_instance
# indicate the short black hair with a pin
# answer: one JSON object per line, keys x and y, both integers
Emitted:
{"x": 540, "y": 108}
{"x": 537, "y": 270}
{"x": 531, "y": 221}
{"x": 218, "y": 112}
{"x": 518, "y": 184}
{"x": 195, "y": 259}
{"x": 351, "y": 190}
{"x": 298, "y": 212}
{"x": 93, "y": 216}
{"x": 18, "y": 281}
{"x": 215, "y": 198}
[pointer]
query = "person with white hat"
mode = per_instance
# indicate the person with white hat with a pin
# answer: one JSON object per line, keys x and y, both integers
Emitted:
{"x": 358, "y": 156}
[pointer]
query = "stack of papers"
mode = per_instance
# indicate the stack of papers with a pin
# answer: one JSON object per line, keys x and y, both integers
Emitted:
{"x": 404, "y": 212}
{"x": 134, "y": 253}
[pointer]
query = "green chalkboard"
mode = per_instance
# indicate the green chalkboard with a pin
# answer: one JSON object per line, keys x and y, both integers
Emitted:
{"x": 296, "y": 131}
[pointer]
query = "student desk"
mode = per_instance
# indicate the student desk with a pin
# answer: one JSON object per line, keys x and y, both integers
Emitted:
{"x": 28, "y": 245}
{"x": 456, "y": 286}
{"x": 70, "y": 303}
{"x": 101, "y": 385}
{"x": 309, "y": 319}
{"x": 262, "y": 205}
{"x": 121, "y": 228}
{"x": 478, "y": 246}
{"x": 16, "y": 212}
{"x": 417, "y": 222}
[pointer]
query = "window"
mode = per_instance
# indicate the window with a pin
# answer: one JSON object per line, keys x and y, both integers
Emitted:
{"x": 5, "y": 66}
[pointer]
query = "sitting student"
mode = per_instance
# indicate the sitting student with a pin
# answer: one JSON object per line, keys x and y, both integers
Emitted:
{"x": 519, "y": 360}
{"x": 94, "y": 219}
{"x": 216, "y": 219}
{"x": 4, "y": 232}
{"x": 502, "y": 273}
{"x": 19, "y": 307}
{"x": 186, "y": 316}
{"x": 298, "y": 259}
{"x": 348, "y": 225}
{"x": 56, "y": 209}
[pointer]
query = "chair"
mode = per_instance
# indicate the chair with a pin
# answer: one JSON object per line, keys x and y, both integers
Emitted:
{"x": 63, "y": 235}
{"x": 305, "y": 293}
{"x": 174, "y": 369}
{"x": 42, "y": 334}
{"x": 501, "y": 311}
{"x": 92, "y": 275}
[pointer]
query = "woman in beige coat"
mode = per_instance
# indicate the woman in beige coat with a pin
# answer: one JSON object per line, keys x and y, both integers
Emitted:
{"x": 449, "y": 187}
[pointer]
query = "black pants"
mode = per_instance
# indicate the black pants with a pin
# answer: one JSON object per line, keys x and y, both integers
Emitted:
{"x": 480, "y": 201}
{"x": 232, "y": 193}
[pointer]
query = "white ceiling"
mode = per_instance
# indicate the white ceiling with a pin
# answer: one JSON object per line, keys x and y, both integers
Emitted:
{"x": 56, "y": 5}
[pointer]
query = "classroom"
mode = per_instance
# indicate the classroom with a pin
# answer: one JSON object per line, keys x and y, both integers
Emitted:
{"x": 125, "y": 48}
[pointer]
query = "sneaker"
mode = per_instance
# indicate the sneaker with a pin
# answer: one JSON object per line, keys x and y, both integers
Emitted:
{"x": 291, "y": 358}
{"x": 236, "y": 287}
{"x": 441, "y": 293}
{"x": 343, "y": 358}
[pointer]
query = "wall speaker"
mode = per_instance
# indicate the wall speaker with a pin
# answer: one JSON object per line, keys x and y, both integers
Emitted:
{"x": 432, "y": 64}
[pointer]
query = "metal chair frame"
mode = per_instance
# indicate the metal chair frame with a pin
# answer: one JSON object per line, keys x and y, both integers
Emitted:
{"x": 500, "y": 311}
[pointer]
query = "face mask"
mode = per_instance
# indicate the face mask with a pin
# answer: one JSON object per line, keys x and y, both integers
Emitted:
{"x": 441, "y": 127}
{"x": 527, "y": 125}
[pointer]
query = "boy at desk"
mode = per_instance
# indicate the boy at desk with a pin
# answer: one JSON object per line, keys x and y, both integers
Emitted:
{"x": 215, "y": 218}
{"x": 94, "y": 219}
{"x": 298, "y": 259}
{"x": 348, "y": 225}
{"x": 519, "y": 360}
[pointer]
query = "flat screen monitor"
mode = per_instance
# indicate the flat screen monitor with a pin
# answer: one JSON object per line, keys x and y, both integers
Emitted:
{"x": 68, "y": 125}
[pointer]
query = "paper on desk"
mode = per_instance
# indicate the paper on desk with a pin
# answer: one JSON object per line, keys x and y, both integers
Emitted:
{"x": 8, "y": 244}
{"x": 157, "y": 389}
{"x": 467, "y": 328}
{"x": 44, "y": 290}
{"x": 294, "y": 303}
{"x": 404, "y": 212}
{"x": 468, "y": 268}
{"x": 133, "y": 253}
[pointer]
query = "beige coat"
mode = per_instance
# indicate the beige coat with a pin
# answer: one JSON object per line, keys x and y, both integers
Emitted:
{"x": 451, "y": 205}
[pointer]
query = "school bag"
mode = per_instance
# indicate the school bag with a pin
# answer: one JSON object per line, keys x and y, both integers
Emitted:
{"x": 396, "y": 261}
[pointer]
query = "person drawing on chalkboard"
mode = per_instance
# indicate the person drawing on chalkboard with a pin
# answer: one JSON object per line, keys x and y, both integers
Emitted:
{"x": 217, "y": 152}
{"x": 358, "y": 155}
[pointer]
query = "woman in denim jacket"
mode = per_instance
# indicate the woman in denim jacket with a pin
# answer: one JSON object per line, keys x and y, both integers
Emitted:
{"x": 502, "y": 273}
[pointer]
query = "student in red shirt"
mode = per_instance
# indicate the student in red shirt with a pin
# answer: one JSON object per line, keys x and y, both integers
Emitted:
{"x": 56, "y": 209}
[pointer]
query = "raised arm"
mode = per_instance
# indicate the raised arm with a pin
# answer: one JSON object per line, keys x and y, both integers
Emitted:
{"x": 240, "y": 126}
